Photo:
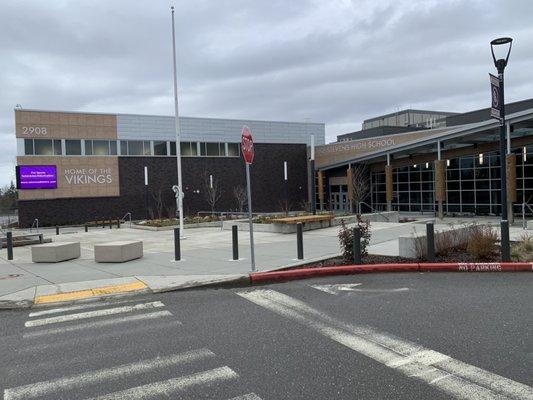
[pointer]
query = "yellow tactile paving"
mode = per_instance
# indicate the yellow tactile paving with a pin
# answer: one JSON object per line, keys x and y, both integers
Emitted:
{"x": 84, "y": 294}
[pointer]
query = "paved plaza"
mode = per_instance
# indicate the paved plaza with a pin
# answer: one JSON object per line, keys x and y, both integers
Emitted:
{"x": 206, "y": 252}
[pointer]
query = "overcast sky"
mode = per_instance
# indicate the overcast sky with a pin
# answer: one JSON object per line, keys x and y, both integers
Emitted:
{"x": 332, "y": 61}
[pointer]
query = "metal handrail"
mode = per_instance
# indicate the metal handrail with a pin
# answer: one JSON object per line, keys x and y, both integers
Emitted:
{"x": 372, "y": 209}
{"x": 128, "y": 214}
{"x": 524, "y": 223}
{"x": 35, "y": 224}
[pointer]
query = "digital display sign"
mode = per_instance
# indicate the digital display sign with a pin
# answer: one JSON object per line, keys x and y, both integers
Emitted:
{"x": 37, "y": 177}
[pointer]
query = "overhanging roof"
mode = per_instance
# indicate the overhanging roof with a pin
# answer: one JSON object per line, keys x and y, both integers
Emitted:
{"x": 453, "y": 137}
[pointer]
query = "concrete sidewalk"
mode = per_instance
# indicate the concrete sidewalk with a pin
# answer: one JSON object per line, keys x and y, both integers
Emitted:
{"x": 206, "y": 259}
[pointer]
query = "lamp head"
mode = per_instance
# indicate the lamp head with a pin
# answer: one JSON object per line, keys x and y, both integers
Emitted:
{"x": 501, "y": 46}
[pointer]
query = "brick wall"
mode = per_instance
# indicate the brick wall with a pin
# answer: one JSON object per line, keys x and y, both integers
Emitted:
{"x": 266, "y": 176}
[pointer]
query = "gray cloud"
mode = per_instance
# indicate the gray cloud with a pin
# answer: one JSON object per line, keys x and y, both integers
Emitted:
{"x": 337, "y": 61}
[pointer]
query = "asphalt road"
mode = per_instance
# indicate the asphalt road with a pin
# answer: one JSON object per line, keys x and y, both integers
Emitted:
{"x": 376, "y": 336}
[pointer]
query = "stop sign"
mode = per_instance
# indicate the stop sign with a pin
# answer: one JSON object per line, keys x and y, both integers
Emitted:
{"x": 247, "y": 145}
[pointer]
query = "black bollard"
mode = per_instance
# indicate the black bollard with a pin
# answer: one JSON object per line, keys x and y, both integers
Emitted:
{"x": 86, "y": 228}
{"x": 235, "y": 241}
{"x": 177, "y": 248}
{"x": 110, "y": 224}
{"x": 9, "y": 243}
{"x": 118, "y": 223}
{"x": 504, "y": 244}
{"x": 430, "y": 240}
{"x": 300, "y": 240}
{"x": 357, "y": 246}
{"x": 57, "y": 230}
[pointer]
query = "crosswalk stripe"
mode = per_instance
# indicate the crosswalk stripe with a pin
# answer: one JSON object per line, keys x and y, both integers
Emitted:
{"x": 169, "y": 386}
{"x": 77, "y": 340}
{"x": 77, "y": 307}
{"x": 451, "y": 376}
{"x": 88, "y": 378}
{"x": 249, "y": 396}
{"x": 97, "y": 324}
{"x": 93, "y": 314}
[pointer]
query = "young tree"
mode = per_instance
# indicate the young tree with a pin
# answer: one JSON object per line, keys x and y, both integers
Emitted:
{"x": 239, "y": 193}
{"x": 360, "y": 185}
{"x": 158, "y": 202}
{"x": 211, "y": 191}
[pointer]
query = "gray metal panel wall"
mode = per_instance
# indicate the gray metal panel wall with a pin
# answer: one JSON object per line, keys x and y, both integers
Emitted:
{"x": 147, "y": 127}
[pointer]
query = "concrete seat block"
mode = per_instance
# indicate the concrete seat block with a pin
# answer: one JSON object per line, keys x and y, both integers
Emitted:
{"x": 120, "y": 251}
{"x": 55, "y": 252}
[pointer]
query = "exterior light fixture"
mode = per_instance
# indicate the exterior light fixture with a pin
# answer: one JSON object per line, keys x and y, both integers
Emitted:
{"x": 524, "y": 154}
{"x": 447, "y": 163}
{"x": 427, "y": 165}
{"x": 480, "y": 158}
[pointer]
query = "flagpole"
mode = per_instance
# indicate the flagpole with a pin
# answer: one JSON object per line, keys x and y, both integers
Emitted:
{"x": 177, "y": 125}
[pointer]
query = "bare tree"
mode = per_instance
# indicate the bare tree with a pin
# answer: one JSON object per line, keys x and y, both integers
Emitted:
{"x": 239, "y": 193}
{"x": 211, "y": 190}
{"x": 360, "y": 186}
{"x": 158, "y": 202}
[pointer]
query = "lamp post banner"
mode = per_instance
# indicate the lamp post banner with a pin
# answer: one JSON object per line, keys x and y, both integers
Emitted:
{"x": 496, "y": 98}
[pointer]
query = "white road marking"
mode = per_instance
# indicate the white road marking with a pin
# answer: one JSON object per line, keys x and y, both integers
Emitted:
{"x": 77, "y": 307}
{"x": 336, "y": 288}
{"x": 93, "y": 314}
{"x": 169, "y": 386}
{"x": 463, "y": 381}
{"x": 93, "y": 338}
{"x": 98, "y": 324}
{"x": 46, "y": 388}
{"x": 249, "y": 396}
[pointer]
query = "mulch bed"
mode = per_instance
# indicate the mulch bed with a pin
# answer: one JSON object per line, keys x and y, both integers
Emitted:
{"x": 454, "y": 256}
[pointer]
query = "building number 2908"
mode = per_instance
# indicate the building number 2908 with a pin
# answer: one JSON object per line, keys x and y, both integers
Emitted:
{"x": 34, "y": 130}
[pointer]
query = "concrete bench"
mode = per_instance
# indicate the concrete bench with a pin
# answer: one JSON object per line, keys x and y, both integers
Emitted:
{"x": 55, "y": 252}
{"x": 120, "y": 251}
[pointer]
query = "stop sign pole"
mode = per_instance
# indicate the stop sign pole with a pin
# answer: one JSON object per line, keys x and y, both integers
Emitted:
{"x": 247, "y": 147}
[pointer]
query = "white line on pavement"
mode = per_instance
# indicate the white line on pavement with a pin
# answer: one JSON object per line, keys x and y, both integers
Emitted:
{"x": 93, "y": 314}
{"x": 249, "y": 396}
{"x": 462, "y": 381}
{"x": 78, "y": 307}
{"x": 169, "y": 386}
{"x": 98, "y": 338}
{"x": 97, "y": 324}
{"x": 45, "y": 388}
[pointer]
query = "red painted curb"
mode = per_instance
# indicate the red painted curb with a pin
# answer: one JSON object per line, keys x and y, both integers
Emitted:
{"x": 303, "y": 273}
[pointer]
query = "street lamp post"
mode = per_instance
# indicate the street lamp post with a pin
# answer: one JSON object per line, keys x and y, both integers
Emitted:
{"x": 502, "y": 46}
{"x": 179, "y": 191}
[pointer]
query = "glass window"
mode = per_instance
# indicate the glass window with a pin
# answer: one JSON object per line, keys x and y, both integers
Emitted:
{"x": 73, "y": 147}
{"x": 467, "y": 162}
{"x": 233, "y": 150}
{"x": 222, "y": 149}
{"x": 58, "y": 148}
{"x": 43, "y": 147}
{"x": 203, "y": 149}
{"x": 113, "y": 147}
{"x": 147, "y": 150}
{"x": 100, "y": 147}
{"x": 135, "y": 148}
{"x": 88, "y": 147}
{"x": 185, "y": 148}
{"x": 160, "y": 148}
{"x": 28, "y": 147}
{"x": 212, "y": 149}
{"x": 172, "y": 148}
{"x": 123, "y": 148}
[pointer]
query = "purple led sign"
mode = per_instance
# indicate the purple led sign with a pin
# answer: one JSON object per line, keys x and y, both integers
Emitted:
{"x": 37, "y": 177}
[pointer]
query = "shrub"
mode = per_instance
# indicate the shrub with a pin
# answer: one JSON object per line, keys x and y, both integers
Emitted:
{"x": 482, "y": 242}
{"x": 523, "y": 250}
{"x": 346, "y": 239}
